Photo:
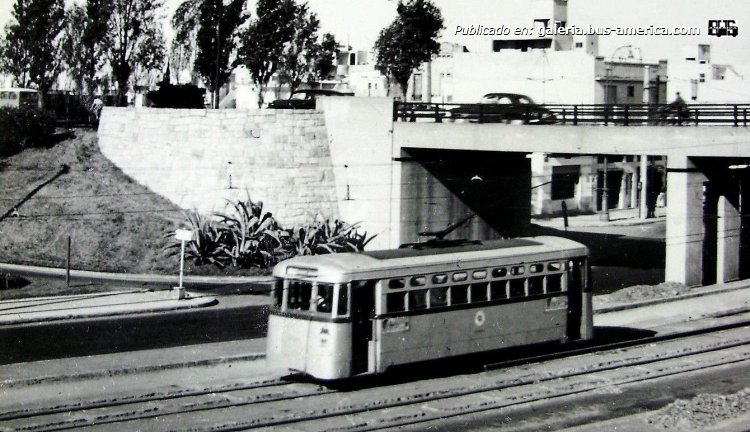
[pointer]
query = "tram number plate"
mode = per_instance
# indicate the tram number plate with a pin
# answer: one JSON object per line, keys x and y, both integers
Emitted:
{"x": 396, "y": 325}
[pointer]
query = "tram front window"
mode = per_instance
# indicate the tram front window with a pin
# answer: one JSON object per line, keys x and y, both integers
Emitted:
{"x": 299, "y": 295}
{"x": 324, "y": 300}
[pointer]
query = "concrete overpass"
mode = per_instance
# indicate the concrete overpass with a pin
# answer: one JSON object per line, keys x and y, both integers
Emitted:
{"x": 430, "y": 167}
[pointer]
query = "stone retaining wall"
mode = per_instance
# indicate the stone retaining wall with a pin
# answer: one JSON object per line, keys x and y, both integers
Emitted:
{"x": 201, "y": 158}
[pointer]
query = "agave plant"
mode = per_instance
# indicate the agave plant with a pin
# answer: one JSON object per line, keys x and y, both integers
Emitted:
{"x": 209, "y": 240}
{"x": 257, "y": 239}
{"x": 326, "y": 236}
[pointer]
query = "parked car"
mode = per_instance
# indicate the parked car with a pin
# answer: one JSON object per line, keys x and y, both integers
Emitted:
{"x": 505, "y": 108}
{"x": 304, "y": 99}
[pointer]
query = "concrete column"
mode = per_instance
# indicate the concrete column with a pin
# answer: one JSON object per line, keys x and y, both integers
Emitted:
{"x": 634, "y": 188}
{"x": 684, "y": 244}
{"x": 624, "y": 199}
{"x": 644, "y": 187}
{"x": 728, "y": 242}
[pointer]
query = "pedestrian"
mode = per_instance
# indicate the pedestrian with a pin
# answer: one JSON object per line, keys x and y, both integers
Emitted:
{"x": 679, "y": 108}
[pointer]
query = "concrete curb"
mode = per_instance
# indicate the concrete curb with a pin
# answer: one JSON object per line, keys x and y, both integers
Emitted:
{"x": 93, "y": 311}
{"x": 251, "y": 283}
{"x": 9, "y": 383}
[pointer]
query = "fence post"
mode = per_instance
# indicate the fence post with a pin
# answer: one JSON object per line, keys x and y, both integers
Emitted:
{"x": 697, "y": 114}
{"x": 564, "y": 115}
{"x": 744, "y": 117}
{"x": 395, "y": 110}
{"x": 438, "y": 118}
{"x": 626, "y": 112}
{"x": 575, "y": 115}
{"x": 481, "y": 113}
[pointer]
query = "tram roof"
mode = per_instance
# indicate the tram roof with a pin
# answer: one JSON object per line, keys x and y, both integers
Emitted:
{"x": 347, "y": 263}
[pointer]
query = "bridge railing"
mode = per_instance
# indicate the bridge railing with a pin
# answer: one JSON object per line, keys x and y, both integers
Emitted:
{"x": 599, "y": 114}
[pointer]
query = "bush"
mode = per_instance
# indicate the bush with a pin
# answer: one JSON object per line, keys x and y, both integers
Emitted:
{"x": 24, "y": 127}
{"x": 250, "y": 237}
{"x": 177, "y": 96}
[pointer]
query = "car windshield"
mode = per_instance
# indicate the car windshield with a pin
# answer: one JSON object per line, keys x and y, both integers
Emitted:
{"x": 299, "y": 96}
{"x": 523, "y": 100}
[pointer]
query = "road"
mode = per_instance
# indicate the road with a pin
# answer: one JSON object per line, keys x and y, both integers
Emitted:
{"x": 80, "y": 337}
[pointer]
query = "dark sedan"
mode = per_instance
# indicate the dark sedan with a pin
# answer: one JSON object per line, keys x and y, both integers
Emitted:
{"x": 504, "y": 108}
{"x": 304, "y": 99}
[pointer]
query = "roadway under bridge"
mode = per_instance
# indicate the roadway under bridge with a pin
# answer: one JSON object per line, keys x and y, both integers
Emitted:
{"x": 440, "y": 171}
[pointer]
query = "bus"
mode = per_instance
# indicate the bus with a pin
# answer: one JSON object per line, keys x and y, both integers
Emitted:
{"x": 19, "y": 97}
{"x": 340, "y": 315}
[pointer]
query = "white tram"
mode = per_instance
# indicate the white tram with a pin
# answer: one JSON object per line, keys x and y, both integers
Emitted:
{"x": 340, "y": 315}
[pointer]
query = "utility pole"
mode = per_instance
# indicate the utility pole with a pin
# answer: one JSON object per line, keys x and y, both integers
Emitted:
{"x": 604, "y": 216}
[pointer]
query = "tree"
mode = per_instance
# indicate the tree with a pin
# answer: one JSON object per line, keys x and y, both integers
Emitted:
{"x": 150, "y": 59}
{"x": 409, "y": 41}
{"x": 86, "y": 43}
{"x": 132, "y": 25}
{"x": 324, "y": 58}
{"x": 262, "y": 43}
{"x": 300, "y": 51}
{"x": 185, "y": 22}
{"x": 31, "y": 46}
{"x": 217, "y": 42}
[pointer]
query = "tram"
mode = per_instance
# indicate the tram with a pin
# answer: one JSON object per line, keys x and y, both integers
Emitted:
{"x": 340, "y": 315}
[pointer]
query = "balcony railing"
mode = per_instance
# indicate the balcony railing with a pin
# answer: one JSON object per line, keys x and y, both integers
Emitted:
{"x": 595, "y": 114}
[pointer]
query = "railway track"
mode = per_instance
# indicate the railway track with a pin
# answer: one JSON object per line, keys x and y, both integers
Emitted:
{"x": 270, "y": 402}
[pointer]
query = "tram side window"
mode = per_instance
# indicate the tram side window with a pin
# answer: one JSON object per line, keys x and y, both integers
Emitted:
{"x": 459, "y": 294}
{"x": 536, "y": 285}
{"x": 478, "y": 292}
{"x": 343, "y": 300}
{"x": 395, "y": 302}
{"x": 438, "y": 296}
{"x": 324, "y": 301}
{"x": 554, "y": 283}
{"x": 498, "y": 289}
{"x": 417, "y": 299}
{"x": 299, "y": 295}
{"x": 517, "y": 287}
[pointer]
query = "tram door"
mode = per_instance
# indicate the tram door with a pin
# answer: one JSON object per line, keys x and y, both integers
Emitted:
{"x": 363, "y": 310}
{"x": 576, "y": 274}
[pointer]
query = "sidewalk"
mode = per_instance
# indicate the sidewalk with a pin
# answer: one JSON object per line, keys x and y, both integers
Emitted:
{"x": 44, "y": 309}
{"x": 617, "y": 217}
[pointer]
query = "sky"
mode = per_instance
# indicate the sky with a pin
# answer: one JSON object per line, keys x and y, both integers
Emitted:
{"x": 358, "y": 22}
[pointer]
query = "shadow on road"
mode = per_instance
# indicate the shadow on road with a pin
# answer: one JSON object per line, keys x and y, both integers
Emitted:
{"x": 618, "y": 261}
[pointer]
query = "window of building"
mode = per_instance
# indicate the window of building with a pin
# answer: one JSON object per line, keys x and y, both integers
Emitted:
{"x": 396, "y": 283}
{"x": 702, "y": 77}
{"x": 564, "y": 180}
{"x": 631, "y": 91}
{"x": 579, "y": 44}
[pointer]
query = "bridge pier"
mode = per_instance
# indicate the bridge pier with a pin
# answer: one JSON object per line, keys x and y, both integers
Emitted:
{"x": 706, "y": 238}
{"x": 684, "y": 236}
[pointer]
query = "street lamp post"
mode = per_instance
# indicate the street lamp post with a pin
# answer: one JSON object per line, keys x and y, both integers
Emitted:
{"x": 183, "y": 236}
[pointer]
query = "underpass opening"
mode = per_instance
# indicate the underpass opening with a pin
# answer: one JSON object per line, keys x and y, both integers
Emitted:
{"x": 440, "y": 187}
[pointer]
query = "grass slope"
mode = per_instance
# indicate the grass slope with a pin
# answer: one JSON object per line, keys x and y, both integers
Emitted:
{"x": 116, "y": 225}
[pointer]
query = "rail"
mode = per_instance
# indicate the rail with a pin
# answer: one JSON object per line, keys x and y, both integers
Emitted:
{"x": 595, "y": 114}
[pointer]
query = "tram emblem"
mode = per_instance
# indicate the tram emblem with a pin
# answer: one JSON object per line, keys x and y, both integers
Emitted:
{"x": 479, "y": 318}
